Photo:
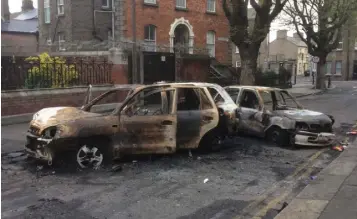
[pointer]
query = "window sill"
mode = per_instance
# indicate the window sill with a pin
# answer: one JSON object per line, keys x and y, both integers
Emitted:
{"x": 60, "y": 15}
{"x": 154, "y": 5}
{"x": 181, "y": 9}
{"x": 211, "y": 13}
{"x": 106, "y": 8}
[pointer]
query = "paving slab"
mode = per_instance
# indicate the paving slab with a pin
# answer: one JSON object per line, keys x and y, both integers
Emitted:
{"x": 302, "y": 209}
{"x": 340, "y": 167}
{"x": 324, "y": 188}
{"x": 344, "y": 204}
{"x": 352, "y": 179}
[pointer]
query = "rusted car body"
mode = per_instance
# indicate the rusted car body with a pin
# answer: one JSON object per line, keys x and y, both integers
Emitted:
{"x": 275, "y": 114}
{"x": 158, "y": 118}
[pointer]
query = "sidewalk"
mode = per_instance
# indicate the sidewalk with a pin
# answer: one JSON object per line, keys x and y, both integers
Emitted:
{"x": 303, "y": 90}
{"x": 332, "y": 195}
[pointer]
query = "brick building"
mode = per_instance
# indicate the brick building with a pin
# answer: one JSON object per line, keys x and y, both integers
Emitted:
{"x": 196, "y": 24}
{"x": 342, "y": 63}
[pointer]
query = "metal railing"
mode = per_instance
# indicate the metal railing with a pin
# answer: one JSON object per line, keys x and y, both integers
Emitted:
{"x": 33, "y": 75}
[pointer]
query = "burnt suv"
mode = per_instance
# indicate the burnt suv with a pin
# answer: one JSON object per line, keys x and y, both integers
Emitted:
{"x": 147, "y": 119}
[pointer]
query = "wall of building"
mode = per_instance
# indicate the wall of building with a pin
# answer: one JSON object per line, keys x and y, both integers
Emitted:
{"x": 164, "y": 14}
{"x": 302, "y": 60}
{"x": 18, "y": 44}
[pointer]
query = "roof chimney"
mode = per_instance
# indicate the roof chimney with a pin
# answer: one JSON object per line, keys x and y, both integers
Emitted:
{"x": 5, "y": 13}
{"x": 27, "y": 5}
{"x": 282, "y": 34}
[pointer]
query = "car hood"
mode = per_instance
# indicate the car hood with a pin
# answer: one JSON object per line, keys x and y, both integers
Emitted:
{"x": 55, "y": 115}
{"x": 304, "y": 115}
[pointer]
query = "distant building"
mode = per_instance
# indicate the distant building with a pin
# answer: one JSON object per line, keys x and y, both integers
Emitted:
{"x": 19, "y": 36}
{"x": 292, "y": 50}
{"x": 342, "y": 63}
{"x": 263, "y": 51}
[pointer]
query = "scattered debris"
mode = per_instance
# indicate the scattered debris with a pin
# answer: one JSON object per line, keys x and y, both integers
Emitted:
{"x": 15, "y": 154}
{"x": 354, "y": 132}
{"x": 338, "y": 148}
{"x": 199, "y": 158}
{"x": 38, "y": 168}
{"x": 135, "y": 161}
{"x": 189, "y": 153}
{"x": 206, "y": 180}
{"x": 116, "y": 168}
{"x": 313, "y": 177}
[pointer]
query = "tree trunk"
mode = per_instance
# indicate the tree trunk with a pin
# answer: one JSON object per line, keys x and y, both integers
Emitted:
{"x": 248, "y": 67}
{"x": 320, "y": 74}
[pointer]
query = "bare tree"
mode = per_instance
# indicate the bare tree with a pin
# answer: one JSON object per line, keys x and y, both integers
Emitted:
{"x": 248, "y": 36}
{"x": 322, "y": 22}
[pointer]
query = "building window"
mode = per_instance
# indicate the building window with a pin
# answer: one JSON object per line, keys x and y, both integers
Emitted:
{"x": 61, "y": 41}
{"x": 150, "y": 1}
{"x": 356, "y": 45}
{"x": 340, "y": 45}
{"x": 338, "y": 67}
{"x": 105, "y": 3}
{"x": 211, "y": 5}
{"x": 180, "y": 3}
{"x": 211, "y": 43}
{"x": 238, "y": 64}
{"x": 328, "y": 67}
{"x": 60, "y": 7}
{"x": 47, "y": 11}
{"x": 237, "y": 49}
{"x": 150, "y": 37}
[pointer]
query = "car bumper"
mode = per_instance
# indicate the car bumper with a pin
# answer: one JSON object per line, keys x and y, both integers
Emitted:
{"x": 38, "y": 148}
{"x": 314, "y": 139}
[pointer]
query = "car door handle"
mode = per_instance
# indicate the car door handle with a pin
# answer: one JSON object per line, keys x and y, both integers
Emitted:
{"x": 166, "y": 122}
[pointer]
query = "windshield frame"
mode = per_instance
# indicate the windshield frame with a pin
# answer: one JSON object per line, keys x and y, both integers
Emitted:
{"x": 297, "y": 104}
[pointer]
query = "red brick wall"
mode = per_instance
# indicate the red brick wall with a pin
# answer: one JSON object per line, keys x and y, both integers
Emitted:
{"x": 164, "y": 15}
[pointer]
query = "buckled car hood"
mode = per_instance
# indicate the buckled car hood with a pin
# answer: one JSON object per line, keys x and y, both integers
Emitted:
{"x": 56, "y": 115}
{"x": 303, "y": 115}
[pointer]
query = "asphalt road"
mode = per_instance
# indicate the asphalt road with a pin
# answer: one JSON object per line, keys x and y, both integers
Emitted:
{"x": 163, "y": 186}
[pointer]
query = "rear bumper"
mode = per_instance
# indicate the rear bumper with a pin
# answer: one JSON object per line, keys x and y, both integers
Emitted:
{"x": 322, "y": 139}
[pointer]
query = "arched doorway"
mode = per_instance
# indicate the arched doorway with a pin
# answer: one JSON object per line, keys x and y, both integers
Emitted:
{"x": 181, "y": 35}
{"x": 181, "y": 40}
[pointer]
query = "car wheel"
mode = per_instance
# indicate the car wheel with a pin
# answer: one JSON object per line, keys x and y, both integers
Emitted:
{"x": 279, "y": 137}
{"x": 92, "y": 155}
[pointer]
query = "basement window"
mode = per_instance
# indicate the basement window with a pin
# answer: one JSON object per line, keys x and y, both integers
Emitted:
{"x": 106, "y": 4}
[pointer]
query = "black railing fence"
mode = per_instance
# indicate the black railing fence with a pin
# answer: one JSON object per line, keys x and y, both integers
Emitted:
{"x": 57, "y": 74}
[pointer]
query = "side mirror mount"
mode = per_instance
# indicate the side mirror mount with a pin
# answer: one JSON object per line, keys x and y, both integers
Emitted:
{"x": 88, "y": 97}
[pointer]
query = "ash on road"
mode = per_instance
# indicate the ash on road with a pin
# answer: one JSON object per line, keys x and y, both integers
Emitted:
{"x": 164, "y": 186}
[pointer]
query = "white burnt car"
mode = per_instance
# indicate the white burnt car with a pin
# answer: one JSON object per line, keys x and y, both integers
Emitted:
{"x": 275, "y": 114}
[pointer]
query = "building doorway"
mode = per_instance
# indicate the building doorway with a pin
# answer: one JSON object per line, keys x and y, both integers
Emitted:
{"x": 181, "y": 40}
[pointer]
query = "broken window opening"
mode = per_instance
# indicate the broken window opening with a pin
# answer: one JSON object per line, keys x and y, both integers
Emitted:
{"x": 250, "y": 100}
{"x": 267, "y": 100}
{"x": 285, "y": 101}
{"x": 217, "y": 97}
{"x": 108, "y": 102}
{"x": 146, "y": 103}
{"x": 233, "y": 93}
{"x": 188, "y": 99}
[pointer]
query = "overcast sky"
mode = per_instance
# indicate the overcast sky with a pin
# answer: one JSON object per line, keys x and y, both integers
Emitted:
{"x": 15, "y": 6}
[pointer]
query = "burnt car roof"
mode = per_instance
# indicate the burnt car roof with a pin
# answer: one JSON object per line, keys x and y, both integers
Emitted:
{"x": 256, "y": 87}
{"x": 178, "y": 84}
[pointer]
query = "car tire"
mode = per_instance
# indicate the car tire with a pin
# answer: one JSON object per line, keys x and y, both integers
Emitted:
{"x": 93, "y": 154}
{"x": 279, "y": 137}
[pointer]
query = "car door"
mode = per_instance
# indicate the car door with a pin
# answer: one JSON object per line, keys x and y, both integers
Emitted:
{"x": 196, "y": 115}
{"x": 148, "y": 122}
{"x": 250, "y": 112}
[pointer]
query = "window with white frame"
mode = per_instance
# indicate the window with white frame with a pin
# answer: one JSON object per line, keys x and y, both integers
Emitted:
{"x": 211, "y": 5}
{"x": 356, "y": 44}
{"x": 338, "y": 67}
{"x": 238, "y": 64}
{"x": 60, "y": 7}
{"x": 237, "y": 49}
{"x": 180, "y": 3}
{"x": 61, "y": 41}
{"x": 105, "y": 3}
{"x": 340, "y": 45}
{"x": 47, "y": 11}
{"x": 211, "y": 43}
{"x": 150, "y": 37}
{"x": 150, "y": 1}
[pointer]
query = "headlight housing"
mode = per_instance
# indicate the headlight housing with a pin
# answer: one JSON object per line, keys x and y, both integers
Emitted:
{"x": 50, "y": 132}
{"x": 35, "y": 116}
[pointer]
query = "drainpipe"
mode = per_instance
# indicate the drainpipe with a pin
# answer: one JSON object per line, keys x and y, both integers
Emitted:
{"x": 348, "y": 54}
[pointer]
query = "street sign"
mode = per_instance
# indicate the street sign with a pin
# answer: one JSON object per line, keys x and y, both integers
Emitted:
{"x": 315, "y": 59}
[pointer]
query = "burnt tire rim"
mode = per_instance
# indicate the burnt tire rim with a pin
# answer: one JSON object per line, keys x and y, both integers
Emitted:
{"x": 89, "y": 157}
{"x": 275, "y": 136}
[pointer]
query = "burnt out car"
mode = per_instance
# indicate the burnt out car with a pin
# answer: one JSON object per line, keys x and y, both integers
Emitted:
{"x": 148, "y": 119}
{"x": 275, "y": 114}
